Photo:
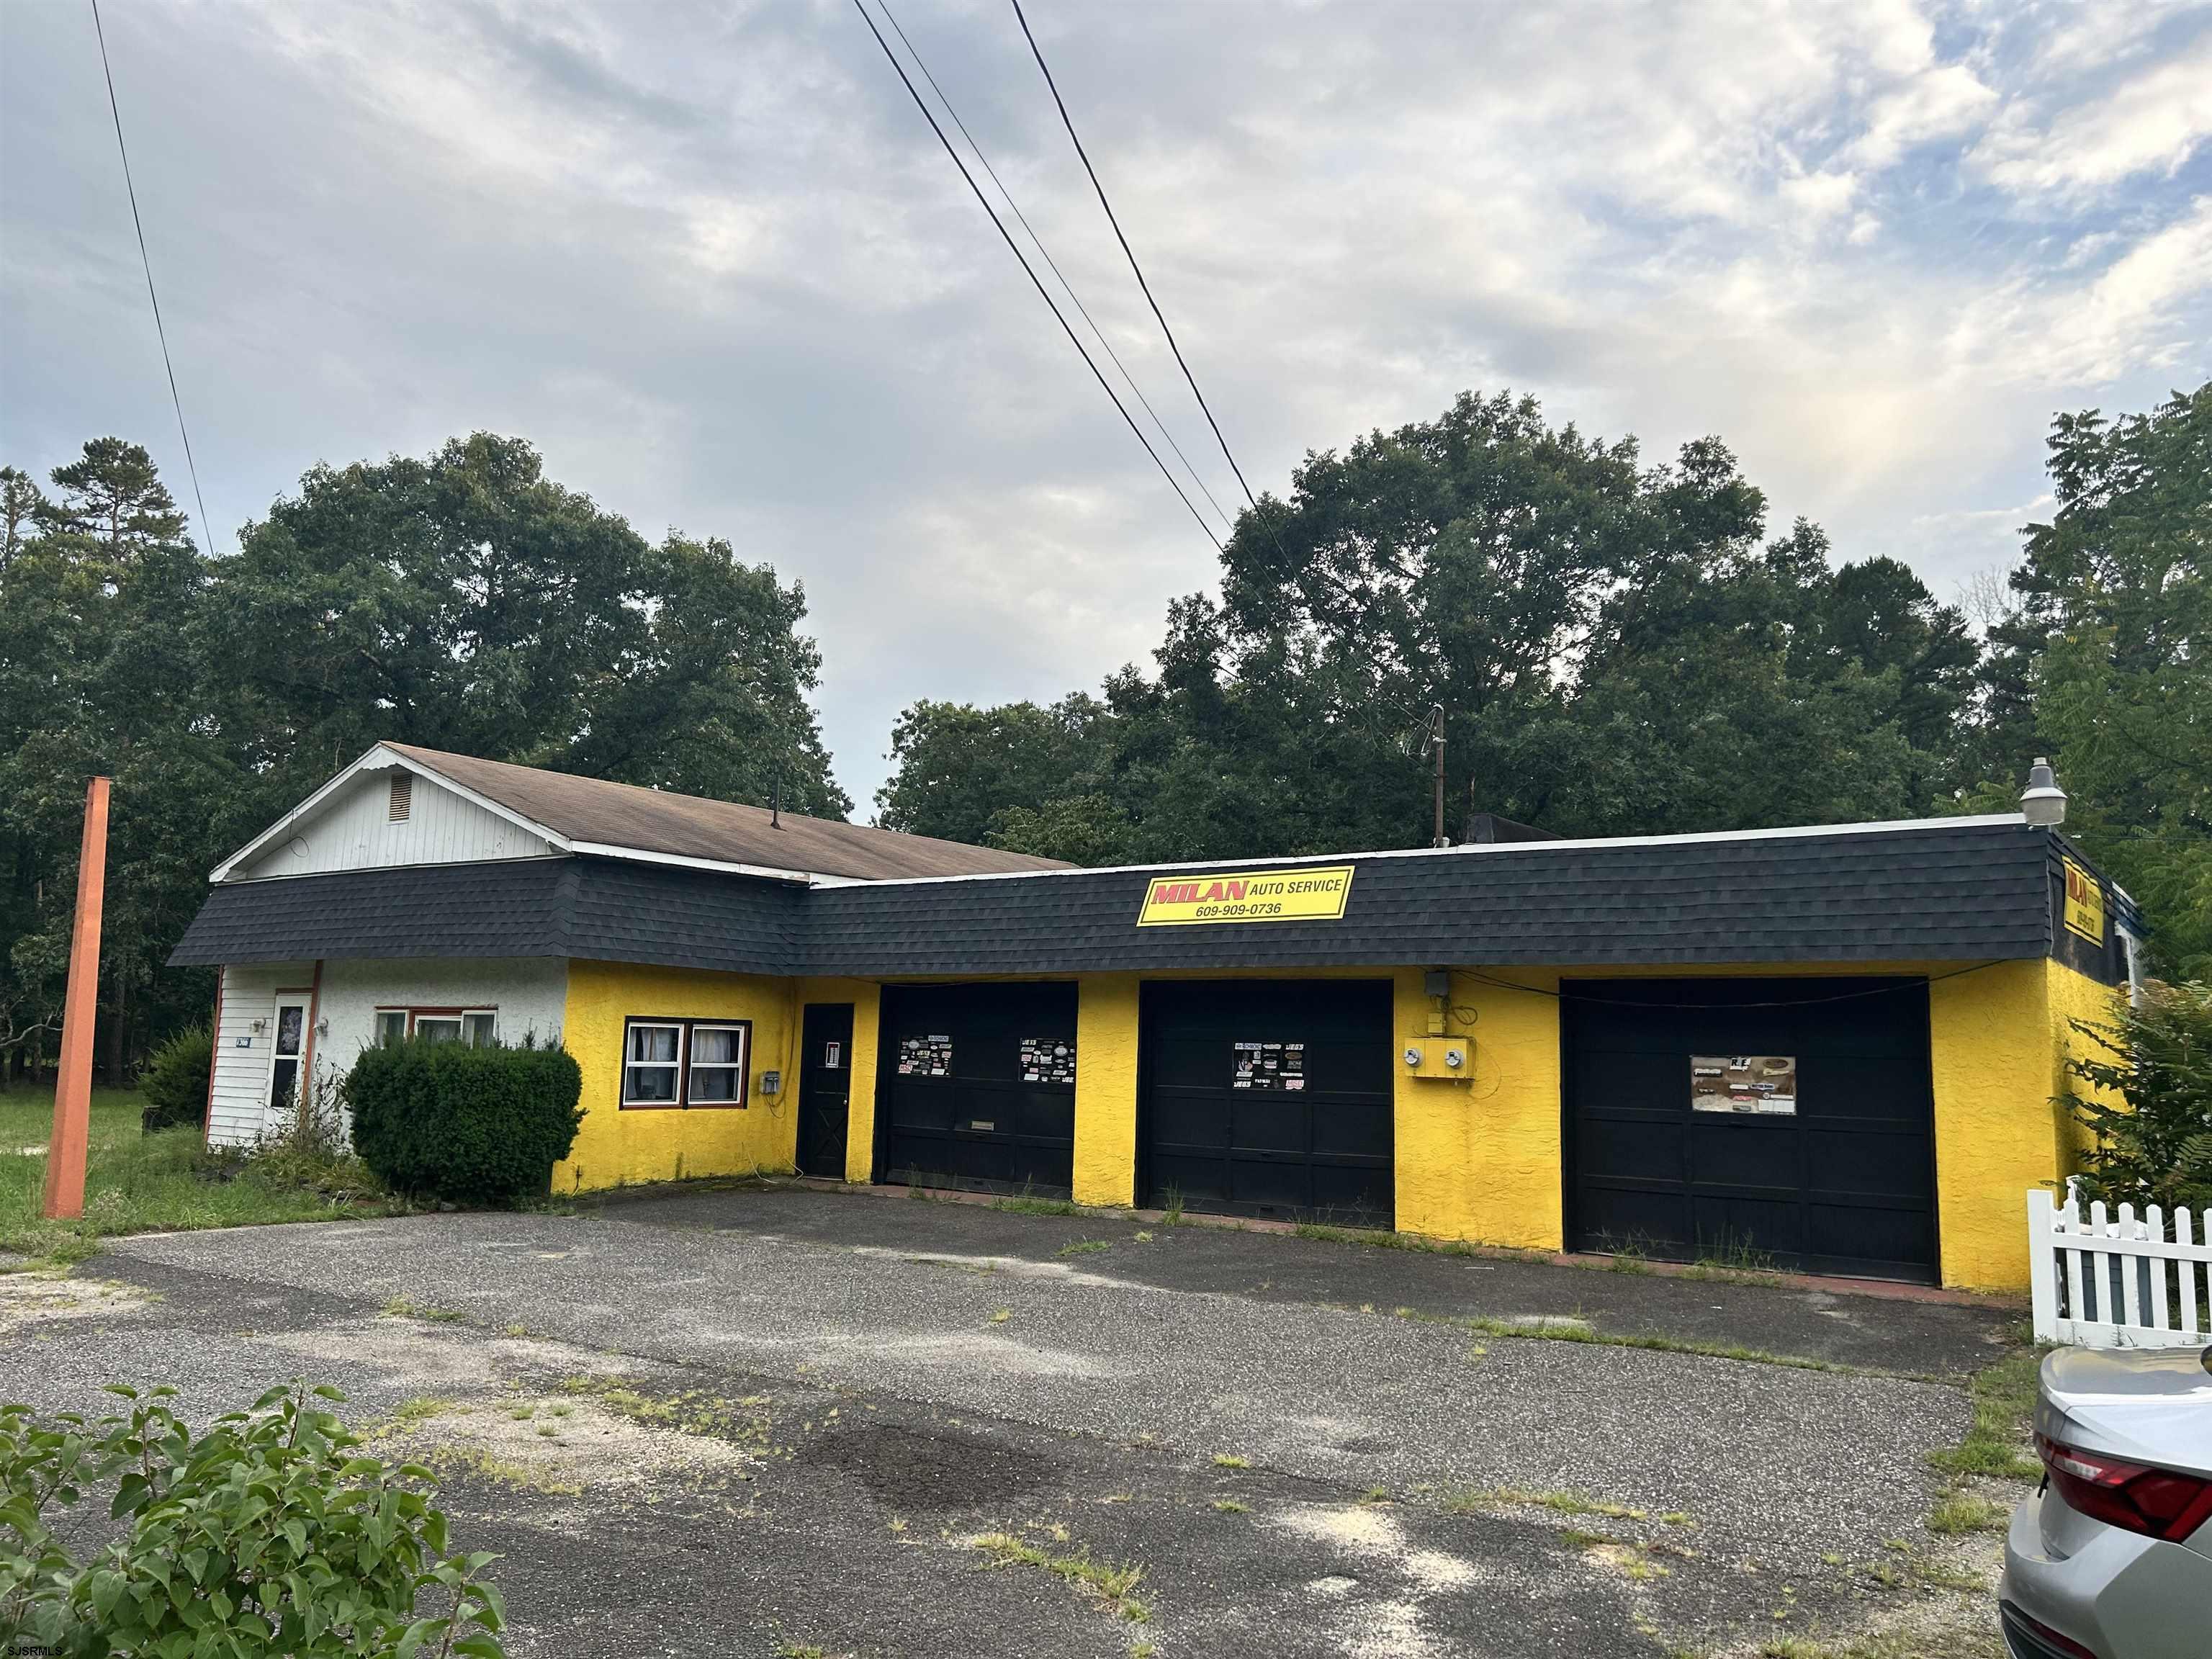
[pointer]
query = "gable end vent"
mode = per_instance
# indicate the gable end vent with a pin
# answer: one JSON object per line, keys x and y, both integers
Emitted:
{"x": 403, "y": 798}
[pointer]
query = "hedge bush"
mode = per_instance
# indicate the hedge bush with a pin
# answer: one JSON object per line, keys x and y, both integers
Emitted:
{"x": 176, "y": 1080}
{"x": 474, "y": 1125}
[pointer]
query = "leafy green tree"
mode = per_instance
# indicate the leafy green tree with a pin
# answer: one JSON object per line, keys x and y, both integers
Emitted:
{"x": 96, "y": 616}
{"x": 1614, "y": 646}
{"x": 466, "y": 601}
{"x": 463, "y": 601}
{"x": 2113, "y": 639}
{"x": 2148, "y": 1103}
{"x": 961, "y": 769}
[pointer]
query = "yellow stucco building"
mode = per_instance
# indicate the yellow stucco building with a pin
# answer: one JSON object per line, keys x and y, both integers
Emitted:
{"x": 1834, "y": 1049}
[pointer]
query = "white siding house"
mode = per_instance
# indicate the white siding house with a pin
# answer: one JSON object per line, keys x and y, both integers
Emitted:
{"x": 376, "y": 819}
{"x": 245, "y": 1034}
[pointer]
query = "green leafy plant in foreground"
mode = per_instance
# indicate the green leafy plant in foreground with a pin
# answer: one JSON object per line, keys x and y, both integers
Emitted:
{"x": 2149, "y": 1099}
{"x": 267, "y": 1536}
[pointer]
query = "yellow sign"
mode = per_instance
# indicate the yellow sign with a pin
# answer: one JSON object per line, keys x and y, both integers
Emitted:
{"x": 2085, "y": 903}
{"x": 1178, "y": 901}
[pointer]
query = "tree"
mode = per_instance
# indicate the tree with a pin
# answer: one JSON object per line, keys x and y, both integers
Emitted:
{"x": 2113, "y": 639}
{"x": 2149, "y": 1099}
{"x": 466, "y": 602}
{"x": 96, "y": 616}
{"x": 961, "y": 769}
{"x": 1614, "y": 647}
{"x": 463, "y": 601}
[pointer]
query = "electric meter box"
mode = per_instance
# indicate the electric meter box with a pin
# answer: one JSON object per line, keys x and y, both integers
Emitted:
{"x": 1450, "y": 1059}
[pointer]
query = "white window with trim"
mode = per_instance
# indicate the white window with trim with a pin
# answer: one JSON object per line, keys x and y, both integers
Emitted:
{"x": 684, "y": 1063}
{"x": 476, "y": 1027}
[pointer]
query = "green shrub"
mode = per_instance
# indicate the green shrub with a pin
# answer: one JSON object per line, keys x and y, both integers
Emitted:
{"x": 175, "y": 1080}
{"x": 477, "y": 1126}
{"x": 2157, "y": 1057}
{"x": 268, "y": 1536}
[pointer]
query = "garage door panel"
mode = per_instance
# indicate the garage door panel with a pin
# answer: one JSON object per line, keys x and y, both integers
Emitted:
{"x": 1746, "y": 1152}
{"x": 1730, "y": 1227}
{"x": 923, "y": 1107}
{"x": 1201, "y": 1183}
{"x": 1351, "y": 1129}
{"x": 1872, "y": 1164}
{"x": 1843, "y": 1184}
{"x": 1624, "y": 1217}
{"x": 1868, "y": 1087}
{"x": 1321, "y": 1146}
{"x": 1269, "y": 1123}
{"x": 1352, "y": 1197}
{"x": 1874, "y": 1242}
{"x": 983, "y": 1125}
{"x": 1642, "y": 1145}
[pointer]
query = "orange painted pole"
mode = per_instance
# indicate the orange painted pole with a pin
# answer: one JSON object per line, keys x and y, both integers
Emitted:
{"x": 73, "y": 1085}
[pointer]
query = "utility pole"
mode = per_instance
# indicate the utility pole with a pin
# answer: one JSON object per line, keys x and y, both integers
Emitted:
{"x": 65, "y": 1152}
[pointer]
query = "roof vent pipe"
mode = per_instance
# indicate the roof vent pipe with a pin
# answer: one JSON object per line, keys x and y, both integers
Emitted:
{"x": 2043, "y": 802}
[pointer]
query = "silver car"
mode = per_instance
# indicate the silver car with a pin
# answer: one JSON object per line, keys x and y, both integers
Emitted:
{"x": 2112, "y": 1558}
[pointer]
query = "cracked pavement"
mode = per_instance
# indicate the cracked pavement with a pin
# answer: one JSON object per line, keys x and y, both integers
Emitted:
{"x": 764, "y": 1420}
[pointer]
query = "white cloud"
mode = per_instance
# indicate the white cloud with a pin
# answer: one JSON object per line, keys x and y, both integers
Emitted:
{"x": 713, "y": 263}
{"x": 2151, "y": 122}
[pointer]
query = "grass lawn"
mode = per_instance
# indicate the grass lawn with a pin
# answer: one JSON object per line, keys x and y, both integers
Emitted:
{"x": 138, "y": 1182}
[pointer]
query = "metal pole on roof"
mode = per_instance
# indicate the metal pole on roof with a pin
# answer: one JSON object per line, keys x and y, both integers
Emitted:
{"x": 1436, "y": 715}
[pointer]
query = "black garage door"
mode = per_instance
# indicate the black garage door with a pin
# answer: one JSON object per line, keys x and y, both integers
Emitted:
{"x": 976, "y": 1087}
{"x": 1267, "y": 1097}
{"x": 1811, "y": 1146}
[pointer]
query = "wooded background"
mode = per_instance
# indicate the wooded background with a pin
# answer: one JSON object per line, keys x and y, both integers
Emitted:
{"x": 1620, "y": 647}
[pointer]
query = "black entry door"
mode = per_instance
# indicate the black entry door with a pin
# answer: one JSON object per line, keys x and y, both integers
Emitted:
{"x": 825, "y": 1089}
{"x": 1267, "y": 1097}
{"x": 976, "y": 1087}
{"x": 1689, "y": 1136}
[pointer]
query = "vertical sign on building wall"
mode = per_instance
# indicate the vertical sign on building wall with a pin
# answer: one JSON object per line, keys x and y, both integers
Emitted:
{"x": 2085, "y": 903}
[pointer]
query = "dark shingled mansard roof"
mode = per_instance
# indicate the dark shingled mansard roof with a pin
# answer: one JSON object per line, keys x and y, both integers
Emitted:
{"x": 1941, "y": 890}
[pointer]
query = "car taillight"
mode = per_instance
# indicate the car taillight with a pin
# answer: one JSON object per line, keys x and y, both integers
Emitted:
{"x": 2157, "y": 1503}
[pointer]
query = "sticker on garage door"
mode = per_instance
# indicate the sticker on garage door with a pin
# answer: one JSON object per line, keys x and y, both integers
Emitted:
{"x": 1269, "y": 1065}
{"x": 1048, "y": 1059}
{"x": 1764, "y": 1084}
{"x": 924, "y": 1056}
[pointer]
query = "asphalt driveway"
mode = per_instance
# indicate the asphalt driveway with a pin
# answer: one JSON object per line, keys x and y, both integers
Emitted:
{"x": 763, "y": 1421}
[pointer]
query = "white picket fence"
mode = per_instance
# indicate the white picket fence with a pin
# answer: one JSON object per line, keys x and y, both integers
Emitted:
{"x": 2121, "y": 1282}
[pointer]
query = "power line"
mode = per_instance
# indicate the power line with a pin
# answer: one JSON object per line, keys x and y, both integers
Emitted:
{"x": 1069, "y": 124}
{"x": 1016, "y": 207}
{"x": 160, "y": 333}
{"x": 1014, "y": 247}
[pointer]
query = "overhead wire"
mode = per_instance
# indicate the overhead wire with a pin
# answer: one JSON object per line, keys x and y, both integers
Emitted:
{"x": 1014, "y": 247}
{"x": 160, "y": 333}
{"x": 1196, "y": 478}
{"x": 1068, "y": 122}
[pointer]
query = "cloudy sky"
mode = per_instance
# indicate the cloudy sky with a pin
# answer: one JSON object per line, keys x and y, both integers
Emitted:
{"x": 708, "y": 259}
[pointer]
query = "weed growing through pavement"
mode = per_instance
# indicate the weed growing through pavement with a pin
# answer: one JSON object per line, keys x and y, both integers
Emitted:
{"x": 1083, "y": 1247}
{"x": 1231, "y": 1461}
{"x": 1231, "y": 1506}
{"x": 1469, "y": 1500}
{"x": 400, "y": 1308}
{"x": 1113, "y": 1585}
{"x": 2003, "y": 1397}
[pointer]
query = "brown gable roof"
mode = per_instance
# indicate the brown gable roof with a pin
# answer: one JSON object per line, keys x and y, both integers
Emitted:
{"x": 685, "y": 826}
